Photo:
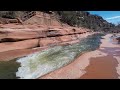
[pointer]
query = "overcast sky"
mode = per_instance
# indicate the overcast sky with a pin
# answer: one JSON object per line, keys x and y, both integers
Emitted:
{"x": 110, "y": 16}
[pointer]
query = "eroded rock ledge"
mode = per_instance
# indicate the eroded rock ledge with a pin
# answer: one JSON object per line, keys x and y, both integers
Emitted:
{"x": 15, "y": 43}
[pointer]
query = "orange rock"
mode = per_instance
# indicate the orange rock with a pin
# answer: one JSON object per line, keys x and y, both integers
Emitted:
{"x": 78, "y": 35}
{"x": 74, "y": 37}
{"x": 52, "y": 33}
{"x": 65, "y": 38}
{"x": 20, "y": 35}
{"x": 69, "y": 31}
{"x": 12, "y": 54}
{"x": 18, "y": 45}
{"x": 48, "y": 41}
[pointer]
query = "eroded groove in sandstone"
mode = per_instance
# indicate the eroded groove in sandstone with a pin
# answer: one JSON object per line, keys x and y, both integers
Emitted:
{"x": 14, "y": 36}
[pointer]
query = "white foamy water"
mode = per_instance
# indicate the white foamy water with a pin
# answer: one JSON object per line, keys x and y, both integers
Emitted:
{"x": 38, "y": 64}
{"x": 35, "y": 65}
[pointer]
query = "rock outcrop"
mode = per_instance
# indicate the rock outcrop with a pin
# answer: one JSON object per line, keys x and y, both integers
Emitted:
{"x": 6, "y": 46}
{"x": 24, "y": 40}
{"x": 38, "y": 31}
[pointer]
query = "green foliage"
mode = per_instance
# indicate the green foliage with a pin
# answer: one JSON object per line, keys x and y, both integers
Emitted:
{"x": 73, "y": 18}
{"x": 7, "y": 14}
{"x": 12, "y": 14}
{"x": 84, "y": 19}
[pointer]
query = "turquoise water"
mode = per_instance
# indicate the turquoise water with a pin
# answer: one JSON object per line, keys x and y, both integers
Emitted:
{"x": 40, "y": 63}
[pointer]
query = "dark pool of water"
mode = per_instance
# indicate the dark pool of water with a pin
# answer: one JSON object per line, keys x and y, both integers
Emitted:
{"x": 8, "y": 69}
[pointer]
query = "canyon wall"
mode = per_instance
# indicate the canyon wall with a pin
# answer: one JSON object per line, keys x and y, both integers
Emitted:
{"x": 19, "y": 42}
{"x": 34, "y": 32}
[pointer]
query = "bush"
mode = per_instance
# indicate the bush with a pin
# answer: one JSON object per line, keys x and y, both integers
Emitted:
{"x": 7, "y": 14}
{"x": 83, "y": 19}
{"x": 12, "y": 14}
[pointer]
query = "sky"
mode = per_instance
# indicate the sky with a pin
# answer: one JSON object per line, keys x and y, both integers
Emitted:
{"x": 110, "y": 16}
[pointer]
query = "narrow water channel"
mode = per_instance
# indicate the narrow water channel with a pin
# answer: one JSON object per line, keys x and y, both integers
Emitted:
{"x": 40, "y": 63}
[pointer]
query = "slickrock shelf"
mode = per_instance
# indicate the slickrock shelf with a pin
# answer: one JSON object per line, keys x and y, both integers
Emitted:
{"x": 18, "y": 40}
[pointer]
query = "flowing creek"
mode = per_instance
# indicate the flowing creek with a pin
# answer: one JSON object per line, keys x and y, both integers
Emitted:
{"x": 41, "y": 63}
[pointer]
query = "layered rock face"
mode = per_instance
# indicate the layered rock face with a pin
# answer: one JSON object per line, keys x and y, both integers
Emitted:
{"x": 6, "y": 46}
{"x": 38, "y": 31}
{"x": 17, "y": 42}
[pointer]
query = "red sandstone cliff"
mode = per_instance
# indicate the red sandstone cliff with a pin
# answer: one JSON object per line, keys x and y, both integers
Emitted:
{"x": 35, "y": 34}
